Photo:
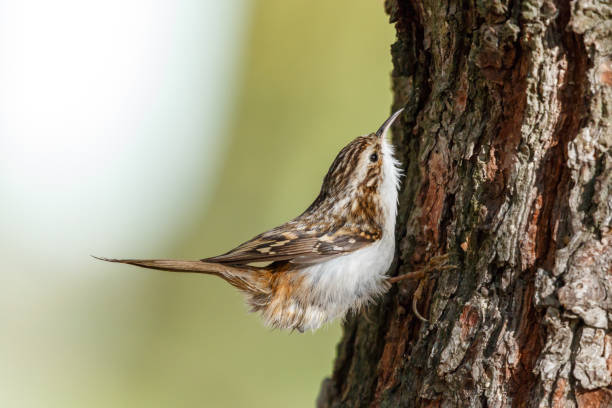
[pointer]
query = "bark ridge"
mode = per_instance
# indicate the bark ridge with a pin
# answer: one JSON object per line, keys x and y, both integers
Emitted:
{"x": 506, "y": 148}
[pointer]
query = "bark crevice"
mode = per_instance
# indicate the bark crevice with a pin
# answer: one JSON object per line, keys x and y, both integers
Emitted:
{"x": 505, "y": 143}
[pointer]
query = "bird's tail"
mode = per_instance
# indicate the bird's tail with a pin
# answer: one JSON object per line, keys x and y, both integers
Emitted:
{"x": 248, "y": 279}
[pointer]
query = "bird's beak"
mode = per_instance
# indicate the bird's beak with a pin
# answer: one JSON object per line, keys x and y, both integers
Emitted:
{"x": 385, "y": 126}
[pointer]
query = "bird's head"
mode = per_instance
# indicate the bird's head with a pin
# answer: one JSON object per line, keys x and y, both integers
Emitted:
{"x": 364, "y": 165}
{"x": 361, "y": 185}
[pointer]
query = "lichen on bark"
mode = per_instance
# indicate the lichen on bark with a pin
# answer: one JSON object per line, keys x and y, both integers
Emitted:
{"x": 505, "y": 143}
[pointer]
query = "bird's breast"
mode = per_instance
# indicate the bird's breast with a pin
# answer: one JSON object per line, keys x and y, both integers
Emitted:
{"x": 349, "y": 281}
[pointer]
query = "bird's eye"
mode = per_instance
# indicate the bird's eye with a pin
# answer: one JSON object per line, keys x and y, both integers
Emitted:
{"x": 374, "y": 157}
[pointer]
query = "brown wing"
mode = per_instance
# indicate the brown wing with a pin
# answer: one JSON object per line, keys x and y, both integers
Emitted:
{"x": 291, "y": 242}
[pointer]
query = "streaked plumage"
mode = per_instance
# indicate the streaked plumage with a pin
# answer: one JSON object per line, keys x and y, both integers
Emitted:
{"x": 330, "y": 259}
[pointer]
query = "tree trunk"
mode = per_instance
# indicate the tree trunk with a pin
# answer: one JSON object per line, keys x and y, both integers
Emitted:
{"x": 505, "y": 143}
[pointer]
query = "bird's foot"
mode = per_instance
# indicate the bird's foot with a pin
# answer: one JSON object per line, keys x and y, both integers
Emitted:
{"x": 437, "y": 263}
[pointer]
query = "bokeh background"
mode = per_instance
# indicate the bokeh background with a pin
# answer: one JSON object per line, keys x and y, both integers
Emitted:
{"x": 148, "y": 128}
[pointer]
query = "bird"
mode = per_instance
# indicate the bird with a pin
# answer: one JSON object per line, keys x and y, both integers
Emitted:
{"x": 328, "y": 261}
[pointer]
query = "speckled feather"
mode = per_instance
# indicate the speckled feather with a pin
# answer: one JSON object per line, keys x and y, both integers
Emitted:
{"x": 330, "y": 259}
{"x": 326, "y": 229}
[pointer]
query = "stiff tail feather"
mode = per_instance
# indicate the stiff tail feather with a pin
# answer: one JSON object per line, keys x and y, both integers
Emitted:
{"x": 251, "y": 280}
{"x": 173, "y": 265}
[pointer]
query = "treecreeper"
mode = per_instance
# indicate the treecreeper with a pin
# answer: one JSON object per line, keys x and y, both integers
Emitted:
{"x": 331, "y": 259}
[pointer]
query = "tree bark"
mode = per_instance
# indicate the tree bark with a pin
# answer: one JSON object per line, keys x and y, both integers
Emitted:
{"x": 505, "y": 143}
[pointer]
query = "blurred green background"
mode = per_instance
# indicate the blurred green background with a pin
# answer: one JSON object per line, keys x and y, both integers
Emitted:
{"x": 190, "y": 169}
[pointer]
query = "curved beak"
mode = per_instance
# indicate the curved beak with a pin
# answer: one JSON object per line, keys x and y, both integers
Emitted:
{"x": 382, "y": 131}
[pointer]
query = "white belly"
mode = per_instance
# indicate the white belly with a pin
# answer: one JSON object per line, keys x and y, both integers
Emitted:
{"x": 347, "y": 282}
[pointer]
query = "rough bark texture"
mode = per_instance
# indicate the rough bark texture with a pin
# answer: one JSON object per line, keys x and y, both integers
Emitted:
{"x": 505, "y": 144}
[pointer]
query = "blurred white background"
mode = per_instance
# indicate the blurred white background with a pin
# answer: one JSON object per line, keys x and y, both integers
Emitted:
{"x": 144, "y": 128}
{"x": 111, "y": 127}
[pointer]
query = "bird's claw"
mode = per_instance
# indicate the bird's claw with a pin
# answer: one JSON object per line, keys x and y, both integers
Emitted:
{"x": 437, "y": 263}
{"x": 418, "y": 293}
